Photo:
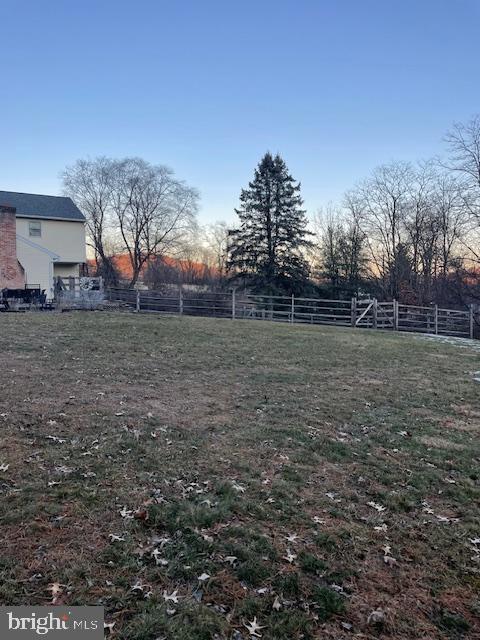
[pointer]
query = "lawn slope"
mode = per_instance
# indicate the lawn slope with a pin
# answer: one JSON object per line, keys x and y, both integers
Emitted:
{"x": 204, "y": 478}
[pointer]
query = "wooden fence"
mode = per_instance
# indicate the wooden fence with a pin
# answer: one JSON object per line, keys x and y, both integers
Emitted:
{"x": 362, "y": 313}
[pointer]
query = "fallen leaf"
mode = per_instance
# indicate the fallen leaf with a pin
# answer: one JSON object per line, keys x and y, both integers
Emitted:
{"x": 253, "y": 627}
{"x": 203, "y": 577}
{"x": 172, "y": 597}
{"x": 292, "y": 537}
{"x": 157, "y": 555}
{"x": 114, "y": 538}
{"x": 290, "y": 557}
{"x": 56, "y": 590}
{"x": 376, "y": 506}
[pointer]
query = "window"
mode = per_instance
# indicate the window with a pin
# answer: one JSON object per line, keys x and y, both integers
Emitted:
{"x": 35, "y": 229}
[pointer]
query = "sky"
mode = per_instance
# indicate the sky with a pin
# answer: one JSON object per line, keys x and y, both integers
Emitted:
{"x": 206, "y": 87}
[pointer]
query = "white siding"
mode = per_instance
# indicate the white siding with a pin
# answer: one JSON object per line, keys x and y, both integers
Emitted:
{"x": 63, "y": 245}
{"x": 66, "y": 239}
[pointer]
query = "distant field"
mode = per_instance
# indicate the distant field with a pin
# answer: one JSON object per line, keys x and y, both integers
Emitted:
{"x": 199, "y": 476}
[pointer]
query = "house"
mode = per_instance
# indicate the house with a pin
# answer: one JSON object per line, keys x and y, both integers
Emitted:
{"x": 41, "y": 237}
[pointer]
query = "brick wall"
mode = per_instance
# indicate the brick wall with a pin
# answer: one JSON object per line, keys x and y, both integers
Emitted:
{"x": 12, "y": 275}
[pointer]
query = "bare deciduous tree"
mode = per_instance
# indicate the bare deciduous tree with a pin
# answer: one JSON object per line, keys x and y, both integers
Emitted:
{"x": 340, "y": 249}
{"x": 153, "y": 210}
{"x": 216, "y": 244}
{"x": 452, "y": 220}
{"x": 328, "y": 231}
{"x": 88, "y": 183}
{"x": 383, "y": 200}
{"x": 352, "y": 248}
{"x": 141, "y": 207}
{"x": 420, "y": 223}
{"x": 464, "y": 145}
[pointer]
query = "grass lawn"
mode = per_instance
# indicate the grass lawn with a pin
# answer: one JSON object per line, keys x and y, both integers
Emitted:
{"x": 200, "y": 478}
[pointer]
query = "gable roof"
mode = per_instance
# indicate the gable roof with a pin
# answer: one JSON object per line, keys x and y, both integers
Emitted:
{"x": 30, "y": 205}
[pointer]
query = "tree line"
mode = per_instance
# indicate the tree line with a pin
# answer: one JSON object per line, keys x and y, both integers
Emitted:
{"x": 407, "y": 231}
{"x": 410, "y": 231}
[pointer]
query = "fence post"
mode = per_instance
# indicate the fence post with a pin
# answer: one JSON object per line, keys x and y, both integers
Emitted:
{"x": 375, "y": 313}
{"x": 395, "y": 315}
{"x": 353, "y": 312}
{"x": 292, "y": 312}
{"x": 233, "y": 304}
{"x": 471, "y": 321}
{"x": 180, "y": 301}
{"x": 137, "y": 302}
{"x": 435, "y": 317}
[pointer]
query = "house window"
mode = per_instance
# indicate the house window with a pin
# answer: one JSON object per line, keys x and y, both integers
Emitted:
{"x": 35, "y": 229}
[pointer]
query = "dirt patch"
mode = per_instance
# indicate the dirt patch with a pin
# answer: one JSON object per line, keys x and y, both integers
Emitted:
{"x": 441, "y": 443}
{"x": 467, "y": 426}
{"x": 466, "y": 410}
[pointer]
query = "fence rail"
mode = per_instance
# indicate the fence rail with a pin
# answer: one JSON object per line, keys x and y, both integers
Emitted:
{"x": 367, "y": 314}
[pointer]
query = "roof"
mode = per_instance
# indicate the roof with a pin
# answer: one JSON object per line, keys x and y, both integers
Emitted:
{"x": 30, "y": 205}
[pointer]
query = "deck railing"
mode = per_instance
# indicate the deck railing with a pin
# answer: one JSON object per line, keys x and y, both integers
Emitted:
{"x": 78, "y": 291}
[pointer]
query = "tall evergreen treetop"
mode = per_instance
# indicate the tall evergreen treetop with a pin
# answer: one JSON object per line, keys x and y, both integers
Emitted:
{"x": 266, "y": 251}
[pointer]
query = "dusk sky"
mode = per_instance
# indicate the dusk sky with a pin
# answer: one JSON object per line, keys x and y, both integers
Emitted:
{"x": 206, "y": 87}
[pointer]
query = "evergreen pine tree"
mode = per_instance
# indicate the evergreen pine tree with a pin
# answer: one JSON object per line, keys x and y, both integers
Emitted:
{"x": 266, "y": 251}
